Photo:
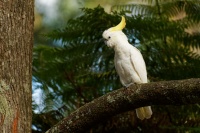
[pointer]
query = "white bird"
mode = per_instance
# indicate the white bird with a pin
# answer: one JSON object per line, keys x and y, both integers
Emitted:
{"x": 128, "y": 61}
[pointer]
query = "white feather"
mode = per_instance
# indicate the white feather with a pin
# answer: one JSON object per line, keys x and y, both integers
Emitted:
{"x": 129, "y": 64}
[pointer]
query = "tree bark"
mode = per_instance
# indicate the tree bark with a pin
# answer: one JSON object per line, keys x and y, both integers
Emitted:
{"x": 178, "y": 92}
{"x": 16, "y": 42}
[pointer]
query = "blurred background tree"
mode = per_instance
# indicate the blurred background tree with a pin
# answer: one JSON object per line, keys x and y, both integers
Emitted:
{"x": 73, "y": 66}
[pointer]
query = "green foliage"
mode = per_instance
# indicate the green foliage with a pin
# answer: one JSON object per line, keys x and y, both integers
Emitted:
{"x": 165, "y": 44}
{"x": 82, "y": 68}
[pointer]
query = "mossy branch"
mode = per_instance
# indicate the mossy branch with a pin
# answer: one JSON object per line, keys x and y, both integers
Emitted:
{"x": 177, "y": 92}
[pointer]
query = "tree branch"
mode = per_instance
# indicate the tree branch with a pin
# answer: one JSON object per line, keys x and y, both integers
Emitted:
{"x": 178, "y": 92}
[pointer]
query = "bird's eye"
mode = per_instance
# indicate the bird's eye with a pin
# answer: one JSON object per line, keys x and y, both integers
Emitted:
{"x": 109, "y": 37}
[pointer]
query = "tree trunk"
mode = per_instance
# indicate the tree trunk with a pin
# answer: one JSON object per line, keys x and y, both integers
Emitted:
{"x": 16, "y": 42}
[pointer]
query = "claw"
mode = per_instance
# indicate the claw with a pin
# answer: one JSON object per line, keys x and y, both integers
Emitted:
{"x": 127, "y": 86}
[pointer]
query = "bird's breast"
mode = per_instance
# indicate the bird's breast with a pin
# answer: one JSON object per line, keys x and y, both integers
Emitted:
{"x": 124, "y": 68}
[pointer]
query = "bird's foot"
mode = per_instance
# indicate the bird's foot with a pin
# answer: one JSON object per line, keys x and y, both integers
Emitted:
{"x": 127, "y": 86}
{"x": 138, "y": 86}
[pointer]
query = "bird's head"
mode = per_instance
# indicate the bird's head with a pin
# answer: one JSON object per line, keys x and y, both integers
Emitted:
{"x": 114, "y": 35}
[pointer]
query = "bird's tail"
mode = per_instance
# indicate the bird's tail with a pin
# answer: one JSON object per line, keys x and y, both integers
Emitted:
{"x": 144, "y": 112}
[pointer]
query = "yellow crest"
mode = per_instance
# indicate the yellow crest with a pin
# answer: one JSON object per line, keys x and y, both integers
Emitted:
{"x": 120, "y": 26}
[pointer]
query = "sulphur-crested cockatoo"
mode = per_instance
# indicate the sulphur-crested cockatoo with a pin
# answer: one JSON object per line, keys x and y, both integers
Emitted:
{"x": 129, "y": 62}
